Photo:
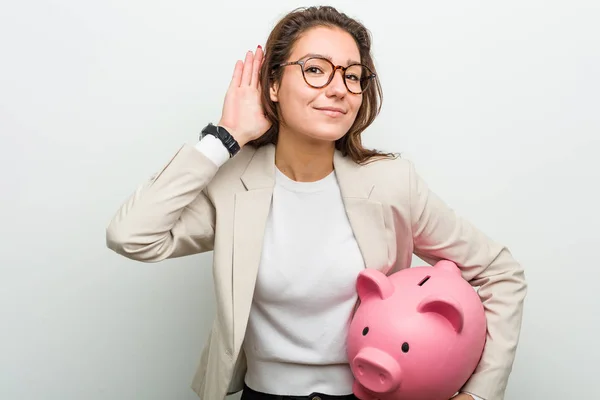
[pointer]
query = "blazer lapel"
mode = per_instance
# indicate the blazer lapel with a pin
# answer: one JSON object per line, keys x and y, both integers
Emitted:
{"x": 365, "y": 215}
{"x": 251, "y": 211}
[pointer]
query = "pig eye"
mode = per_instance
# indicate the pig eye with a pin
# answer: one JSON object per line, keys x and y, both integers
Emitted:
{"x": 405, "y": 347}
{"x": 365, "y": 331}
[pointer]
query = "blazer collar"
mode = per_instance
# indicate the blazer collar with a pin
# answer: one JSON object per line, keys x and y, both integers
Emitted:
{"x": 260, "y": 173}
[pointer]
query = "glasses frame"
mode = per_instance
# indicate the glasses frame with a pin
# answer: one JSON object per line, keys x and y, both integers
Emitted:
{"x": 301, "y": 63}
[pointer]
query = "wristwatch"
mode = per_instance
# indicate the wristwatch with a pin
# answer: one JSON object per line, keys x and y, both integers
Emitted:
{"x": 225, "y": 137}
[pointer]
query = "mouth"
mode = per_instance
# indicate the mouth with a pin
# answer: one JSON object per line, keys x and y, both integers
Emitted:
{"x": 331, "y": 111}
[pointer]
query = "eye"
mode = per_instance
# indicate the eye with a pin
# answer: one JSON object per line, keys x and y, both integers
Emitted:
{"x": 405, "y": 347}
{"x": 365, "y": 331}
{"x": 313, "y": 70}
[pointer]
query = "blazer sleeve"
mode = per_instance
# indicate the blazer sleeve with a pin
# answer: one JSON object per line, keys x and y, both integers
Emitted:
{"x": 170, "y": 215}
{"x": 439, "y": 233}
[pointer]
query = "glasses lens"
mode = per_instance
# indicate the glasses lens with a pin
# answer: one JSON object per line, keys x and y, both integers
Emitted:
{"x": 317, "y": 72}
{"x": 355, "y": 78}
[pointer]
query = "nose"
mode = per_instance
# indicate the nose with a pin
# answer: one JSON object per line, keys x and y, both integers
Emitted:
{"x": 337, "y": 87}
{"x": 376, "y": 370}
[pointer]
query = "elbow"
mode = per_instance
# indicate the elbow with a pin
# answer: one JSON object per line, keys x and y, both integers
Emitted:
{"x": 119, "y": 241}
{"x": 514, "y": 278}
{"x": 505, "y": 274}
{"x": 515, "y": 273}
{"x": 136, "y": 245}
{"x": 123, "y": 242}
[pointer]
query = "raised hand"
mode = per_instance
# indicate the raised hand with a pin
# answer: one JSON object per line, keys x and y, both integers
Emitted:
{"x": 243, "y": 115}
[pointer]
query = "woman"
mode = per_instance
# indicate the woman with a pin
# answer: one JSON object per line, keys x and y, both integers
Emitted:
{"x": 294, "y": 207}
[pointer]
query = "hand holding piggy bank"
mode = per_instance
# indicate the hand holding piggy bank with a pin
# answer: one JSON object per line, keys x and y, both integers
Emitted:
{"x": 416, "y": 335}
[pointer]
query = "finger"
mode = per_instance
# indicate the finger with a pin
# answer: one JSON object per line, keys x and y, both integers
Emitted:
{"x": 247, "y": 72}
{"x": 237, "y": 74}
{"x": 258, "y": 59}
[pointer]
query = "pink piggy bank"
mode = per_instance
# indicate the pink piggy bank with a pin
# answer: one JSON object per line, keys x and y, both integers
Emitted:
{"x": 416, "y": 335}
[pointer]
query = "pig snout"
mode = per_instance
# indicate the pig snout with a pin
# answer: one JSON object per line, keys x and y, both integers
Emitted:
{"x": 376, "y": 370}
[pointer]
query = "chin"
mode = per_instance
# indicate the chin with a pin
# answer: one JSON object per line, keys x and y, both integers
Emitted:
{"x": 328, "y": 134}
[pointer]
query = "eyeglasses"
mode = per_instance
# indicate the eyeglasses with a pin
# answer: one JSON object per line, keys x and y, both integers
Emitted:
{"x": 319, "y": 72}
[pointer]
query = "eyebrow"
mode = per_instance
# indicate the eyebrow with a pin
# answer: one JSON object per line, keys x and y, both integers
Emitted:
{"x": 308, "y": 55}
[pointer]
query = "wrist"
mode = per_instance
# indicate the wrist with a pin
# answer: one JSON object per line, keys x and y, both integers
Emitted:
{"x": 238, "y": 138}
{"x": 214, "y": 149}
{"x": 224, "y": 135}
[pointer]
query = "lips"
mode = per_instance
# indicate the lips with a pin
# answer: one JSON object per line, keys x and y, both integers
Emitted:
{"x": 331, "y": 110}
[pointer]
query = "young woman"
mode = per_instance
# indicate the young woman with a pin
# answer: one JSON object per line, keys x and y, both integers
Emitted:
{"x": 293, "y": 207}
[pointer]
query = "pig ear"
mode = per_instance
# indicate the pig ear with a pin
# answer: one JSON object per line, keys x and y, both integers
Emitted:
{"x": 449, "y": 266}
{"x": 372, "y": 282}
{"x": 447, "y": 307}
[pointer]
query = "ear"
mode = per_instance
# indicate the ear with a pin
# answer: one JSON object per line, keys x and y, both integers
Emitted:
{"x": 446, "y": 307}
{"x": 273, "y": 92}
{"x": 373, "y": 283}
{"x": 449, "y": 266}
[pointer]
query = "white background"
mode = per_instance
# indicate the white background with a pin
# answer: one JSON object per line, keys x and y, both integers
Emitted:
{"x": 496, "y": 102}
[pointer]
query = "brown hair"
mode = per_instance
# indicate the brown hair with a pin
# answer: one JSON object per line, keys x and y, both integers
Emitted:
{"x": 278, "y": 48}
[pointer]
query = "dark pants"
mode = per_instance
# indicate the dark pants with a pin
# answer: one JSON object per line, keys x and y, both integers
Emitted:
{"x": 249, "y": 394}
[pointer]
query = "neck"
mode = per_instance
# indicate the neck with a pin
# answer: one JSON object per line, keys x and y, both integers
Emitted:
{"x": 303, "y": 159}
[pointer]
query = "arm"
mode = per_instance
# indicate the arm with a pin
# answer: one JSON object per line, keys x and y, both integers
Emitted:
{"x": 170, "y": 215}
{"x": 438, "y": 233}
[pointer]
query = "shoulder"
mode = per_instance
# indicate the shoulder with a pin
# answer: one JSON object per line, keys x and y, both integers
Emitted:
{"x": 388, "y": 170}
{"x": 229, "y": 175}
{"x": 393, "y": 179}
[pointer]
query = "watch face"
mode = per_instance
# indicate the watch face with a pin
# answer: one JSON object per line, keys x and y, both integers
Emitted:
{"x": 209, "y": 129}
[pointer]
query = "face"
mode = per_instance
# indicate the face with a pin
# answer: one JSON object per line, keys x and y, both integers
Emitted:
{"x": 309, "y": 111}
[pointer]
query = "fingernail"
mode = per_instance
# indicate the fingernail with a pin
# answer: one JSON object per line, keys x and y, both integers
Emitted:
{"x": 259, "y": 46}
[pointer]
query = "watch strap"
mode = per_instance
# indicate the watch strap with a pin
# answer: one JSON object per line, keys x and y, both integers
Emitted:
{"x": 224, "y": 136}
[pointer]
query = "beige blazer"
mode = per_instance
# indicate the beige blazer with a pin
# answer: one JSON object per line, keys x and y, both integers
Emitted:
{"x": 191, "y": 206}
